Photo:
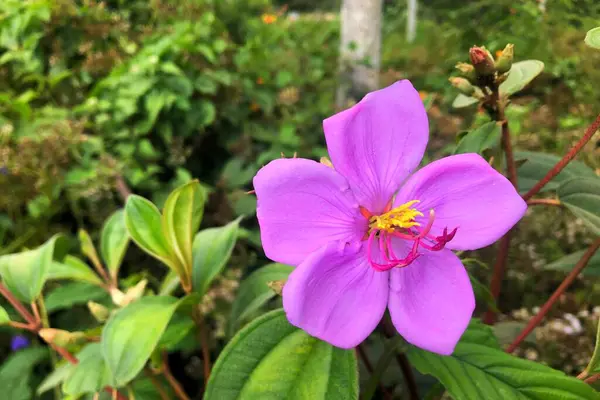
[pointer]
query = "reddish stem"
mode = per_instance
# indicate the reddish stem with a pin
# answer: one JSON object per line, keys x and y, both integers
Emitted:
{"x": 546, "y": 202}
{"x": 500, "y": 265}
{"x": 590, "y": 131}
{"x": 496, "y": 283}
{"x": 176, "y": 386}
{"x": 592, "y": 379}
{"x": 555, "y": 296}
{"x": 27, "y": 316}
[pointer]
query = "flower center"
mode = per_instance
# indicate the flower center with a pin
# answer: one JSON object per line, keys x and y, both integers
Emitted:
{"x": 401, "y": 222}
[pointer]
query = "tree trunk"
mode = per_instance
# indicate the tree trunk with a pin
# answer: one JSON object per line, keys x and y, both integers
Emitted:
{"x": 360, "y": 51}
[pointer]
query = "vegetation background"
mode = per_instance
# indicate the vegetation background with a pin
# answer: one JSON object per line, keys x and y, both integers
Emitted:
{"x": 98, "y": 98}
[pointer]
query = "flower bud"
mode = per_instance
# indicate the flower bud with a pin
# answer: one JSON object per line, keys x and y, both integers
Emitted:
{"x": 505, "y": 60}
{"x": 482, "y": 60}
{"x": 463, "y": 85}
{"x": 467, "y": 71}
{"x": 98, "y": 311}
{"x": 61, "y": 338}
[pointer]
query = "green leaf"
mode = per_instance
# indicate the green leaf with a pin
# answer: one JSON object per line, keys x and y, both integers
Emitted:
{"x": 507, "y": 331}
{"x": 4, "y": 317}
{"x": 16, "y": 372}
{"x": 567, "y": 263}
{"x": 26, "y": 273}
{"x": 538, "y": 164}
{"x": 88, "y": 248}
{"x": 592, "y": 38}
{"x": 482, "y": 293}
{"x": 462, "y": 101}
{"x": 73, "y": 268}
{"x": 485, "y": 137}
{"x": 90, "y": 375}
{"x": 143, "y": 222}
{"x": 582, "y": 197}
{"x": 114, "y": 242}
{"x": 212, "y": 249}
{"x": 73, "y": 293}
{"x": 479, "y": 369}
{"x": 270, "y": 360}
{"x": 182, "y": 215}
{"x": 131, "y": 335}
{"x": 594, "y": 364}
{"x": 55, "y": 378}
{"x": 520, "y": 75}
{"x": 254, "y": 292}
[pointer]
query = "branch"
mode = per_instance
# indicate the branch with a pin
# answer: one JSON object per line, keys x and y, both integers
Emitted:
{"x": 581, "y": 264}
{"x": 590, "y": 131}
{"x": 176, "y": 386}
{"x": 500, "y": 265}
{"x": 27, "y": 316}
{"x": 122, "y": 188}
{"x": 365, "y": 359}
{"x": 409, "y": 377}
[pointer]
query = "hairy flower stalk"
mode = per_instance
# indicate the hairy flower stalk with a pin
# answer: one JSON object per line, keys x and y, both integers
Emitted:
{"x": 367, "y": 233}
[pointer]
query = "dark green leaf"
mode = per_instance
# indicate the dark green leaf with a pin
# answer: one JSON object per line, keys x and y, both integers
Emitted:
{"x": 70, "y": 294}
{"x": 254, "y": 292}
{"x": 538, "y": 164}
{"x": 270, "y": 360}
{"x": 582, "y": 197}
{"x": 477, "y": 370}
{"x": 567, "y": 263}
{"x": 15, "y": 373}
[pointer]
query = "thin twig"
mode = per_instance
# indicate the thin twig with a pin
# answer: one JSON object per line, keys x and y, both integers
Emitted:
{"x": 176, "y": 386}
{"x": 161, "y": 391}
{"x": 545, "y": 202}
{"x": 503, "y": 248}
{"x": 362, "y": 354}
{"x": 581, "y": 264}
{"x": 203, "y": 338}
{"x": 592, "y": 379}
{"x": 122, "y": 188}
{"x": 36, "y": 312}
{"x": 27, "y": 316}
{"x": 589, "y": 132}
{"x": 403, "y": 363}
{"x": 20, "y": 325}
{"x": 36, "y": 323}
{"x": 498, "y": 276}
{"x": 409, "y": 377}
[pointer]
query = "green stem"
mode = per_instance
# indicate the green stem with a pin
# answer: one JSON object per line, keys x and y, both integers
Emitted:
{"x": 53, "y": 356}
{"x": 389, "y": 353}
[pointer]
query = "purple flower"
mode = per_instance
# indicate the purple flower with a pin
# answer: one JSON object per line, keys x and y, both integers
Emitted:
{"x": 366, "y": 234}
{"x": 18, "y": 342}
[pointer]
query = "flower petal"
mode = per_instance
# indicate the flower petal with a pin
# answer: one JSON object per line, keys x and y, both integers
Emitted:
{"x": 431, "y": 301}
{"x": 301, "y": 206}
{"x": 377, "y": 143}
{"x": 336, "y": 296}
{"x": 466, "y": 193}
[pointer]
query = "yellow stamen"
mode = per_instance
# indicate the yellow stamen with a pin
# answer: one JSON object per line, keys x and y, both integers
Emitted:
{"x": 402, "y": 216}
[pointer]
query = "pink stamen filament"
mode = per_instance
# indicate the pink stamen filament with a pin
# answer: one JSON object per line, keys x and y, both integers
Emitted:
{"x": 419, "y": 237}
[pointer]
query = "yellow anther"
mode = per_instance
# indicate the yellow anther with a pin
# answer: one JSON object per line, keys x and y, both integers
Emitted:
{"x": 403, "y": 216}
